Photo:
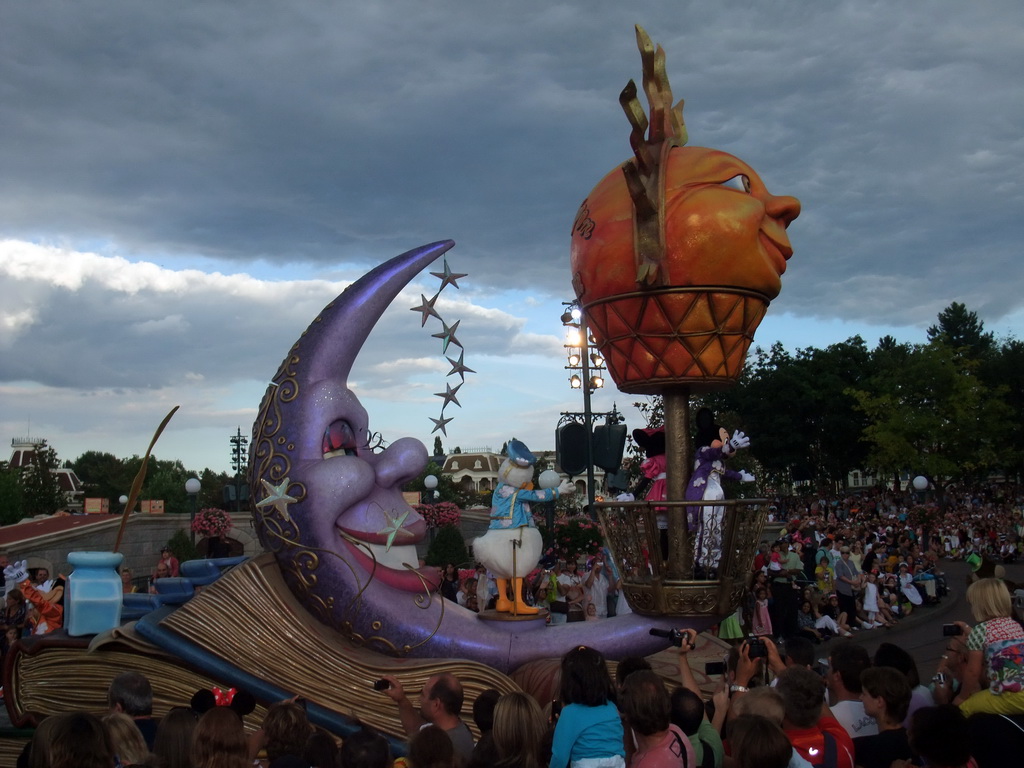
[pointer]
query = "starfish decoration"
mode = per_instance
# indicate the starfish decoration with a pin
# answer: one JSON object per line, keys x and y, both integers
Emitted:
{"x": 458, "y": 367}
{"x": 394, "y": 527}
{"x": 448, "y": 277}
{"x": 426, "y": 308}
{"x": 440, "y": 424}
{"x": 277, "y": 498}
{"x": 447, "y": 335}
{"x": 449, "y": 396}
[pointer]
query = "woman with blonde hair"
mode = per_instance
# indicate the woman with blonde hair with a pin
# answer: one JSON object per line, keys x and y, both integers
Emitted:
{"x": 220, "y": 741}
{"x": 519, "y": 731}
{"x": 993, "y": 676}
{"x": 126, "y": 739}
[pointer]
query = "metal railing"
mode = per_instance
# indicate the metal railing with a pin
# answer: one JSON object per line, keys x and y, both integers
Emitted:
{"x": 699, "y": 564}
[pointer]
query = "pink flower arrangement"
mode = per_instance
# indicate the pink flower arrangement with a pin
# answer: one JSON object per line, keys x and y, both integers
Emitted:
{"x": 211, "y": 522}
{"x": 439, "y": 515}
{"x": 572, "y": 537}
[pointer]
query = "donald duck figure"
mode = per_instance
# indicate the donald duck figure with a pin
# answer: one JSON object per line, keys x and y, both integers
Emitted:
{"x": 512, "y": 545}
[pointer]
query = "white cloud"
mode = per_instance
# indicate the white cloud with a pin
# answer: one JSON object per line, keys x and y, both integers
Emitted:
{"x": 183, "y": 191}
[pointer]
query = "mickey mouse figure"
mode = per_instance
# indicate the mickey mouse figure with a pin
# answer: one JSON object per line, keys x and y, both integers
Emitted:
{"x": 714, "y": 445}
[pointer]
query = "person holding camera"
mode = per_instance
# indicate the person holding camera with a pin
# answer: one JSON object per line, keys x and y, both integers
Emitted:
{"x": 995, "y": 654}
{"x": 688, "y": 710}
{"x": 440, "y": 705}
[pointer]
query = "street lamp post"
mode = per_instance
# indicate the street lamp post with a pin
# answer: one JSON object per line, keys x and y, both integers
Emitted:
{"x": 591, "y": 366}
{"x": 430, "y": 483}
{"x": 192, "y": 486}
{"x": 123, "y": 501}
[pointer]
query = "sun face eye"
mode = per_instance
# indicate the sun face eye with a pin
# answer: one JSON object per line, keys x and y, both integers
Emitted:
{"x": 339, "y": 440}
{"x": 739, "y": 182}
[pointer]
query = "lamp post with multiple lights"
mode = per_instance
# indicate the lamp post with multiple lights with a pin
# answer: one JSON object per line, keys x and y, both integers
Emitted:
{"x": 588, "y": 375}
{"x": 192, "y": 488}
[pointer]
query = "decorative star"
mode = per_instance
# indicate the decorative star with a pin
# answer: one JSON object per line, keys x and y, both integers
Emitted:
{"x": 448, "y": 277}
{"x": 440, "y": 424}
{"x": 449, "y": 396}
{"x": 277, "y": 497}
{"x": 426, "y": 308}
{"x": 458, "y": 367}
{"x": 447, "y": 335}
{"x": 394, "y": 527}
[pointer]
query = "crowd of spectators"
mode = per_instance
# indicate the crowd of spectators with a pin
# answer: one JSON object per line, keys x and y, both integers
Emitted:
{"x": 776, "y": 707}
{"x": 839, "y": 567}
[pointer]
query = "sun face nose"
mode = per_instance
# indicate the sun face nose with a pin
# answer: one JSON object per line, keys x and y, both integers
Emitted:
{"x": 400, "y": 462}
{"x": 782, "y": 208}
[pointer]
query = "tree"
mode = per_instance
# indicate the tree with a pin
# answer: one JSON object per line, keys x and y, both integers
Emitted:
{"x": 438, "y": 447}
{"x": 11, "y": 496}
{"x": 961, "y": 330}
{"x": 41, "y": 491}
{"x": 103, "y": 475}
{"x": 927, "y": 413}
{"x": 447, "y": 489}
{"x": 448, "y": 546}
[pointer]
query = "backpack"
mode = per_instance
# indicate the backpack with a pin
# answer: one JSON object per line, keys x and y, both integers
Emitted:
{"x": 709, "y": 755}
{"x": 829, "y": 757}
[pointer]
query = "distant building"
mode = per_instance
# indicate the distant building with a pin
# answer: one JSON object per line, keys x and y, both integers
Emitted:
{"x": 478, "y": 472}
{"x": 23, "y": 454}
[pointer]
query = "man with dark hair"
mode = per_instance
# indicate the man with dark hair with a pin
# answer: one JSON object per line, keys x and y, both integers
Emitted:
{"x": 440, "y": 704}
{"x": 131, "y": 693}
{"x": 797, "y": 651}
{"x": 628, "y": 666}
{"x": 365, "y": 749}
{"x": 886, "y": 696}
{"x": 815, "y": 735}
{"x": 846, "y": 662}
{"x": 644, "y": 704}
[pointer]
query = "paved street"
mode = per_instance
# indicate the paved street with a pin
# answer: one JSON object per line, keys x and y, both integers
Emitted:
{"x": 921, "y": 632}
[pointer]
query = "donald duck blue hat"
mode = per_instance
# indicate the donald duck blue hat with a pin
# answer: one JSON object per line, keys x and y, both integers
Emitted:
{"x": 520, "y": 454}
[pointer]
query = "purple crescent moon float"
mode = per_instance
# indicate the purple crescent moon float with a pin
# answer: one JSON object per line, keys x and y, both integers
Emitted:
{"x": 330, "y": 507}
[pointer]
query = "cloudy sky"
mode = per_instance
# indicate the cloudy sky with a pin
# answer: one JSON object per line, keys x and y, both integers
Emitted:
{"x": 184, "y": 186}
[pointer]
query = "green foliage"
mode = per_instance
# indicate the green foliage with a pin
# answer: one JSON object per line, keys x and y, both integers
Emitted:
{"x": 932, "y": 414}
{"x": 448, "y": 546}
{"x": 962, "y": 331}
{"x": 11, "y": 502}
{"x": 447, "y": 488}
{"x": 41, "y": 493}
{"x": 182, "y": 547}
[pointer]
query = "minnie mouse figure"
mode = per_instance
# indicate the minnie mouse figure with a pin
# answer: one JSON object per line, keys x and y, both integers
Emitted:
{"x": 653, "y": 485}
{"x": 713, "y": 446}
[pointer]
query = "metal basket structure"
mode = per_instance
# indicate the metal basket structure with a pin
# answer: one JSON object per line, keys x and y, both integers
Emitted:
{"x": 658, "y": 585}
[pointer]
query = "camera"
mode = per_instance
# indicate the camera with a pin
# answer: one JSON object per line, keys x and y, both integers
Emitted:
{"x": 714, "y": 668}
{"x": 675, "y": 636}
{"x": 951, "y": 630}
{"x": 381, "y": 685}
{"x": 756, "y": 649}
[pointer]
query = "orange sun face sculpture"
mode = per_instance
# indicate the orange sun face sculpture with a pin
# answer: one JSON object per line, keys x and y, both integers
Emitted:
{"x": 676, "y": 253}
{"x": 722, "y": 228}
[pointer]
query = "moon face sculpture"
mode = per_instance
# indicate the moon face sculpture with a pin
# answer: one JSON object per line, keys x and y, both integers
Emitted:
{"x": 329, "y": 506}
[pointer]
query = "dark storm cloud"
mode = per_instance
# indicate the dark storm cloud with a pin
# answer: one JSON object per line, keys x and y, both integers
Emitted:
{"x": 332, "y": 133}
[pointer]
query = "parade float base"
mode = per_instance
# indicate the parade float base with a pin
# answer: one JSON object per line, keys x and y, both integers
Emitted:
{"x": 247, "y": 631}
